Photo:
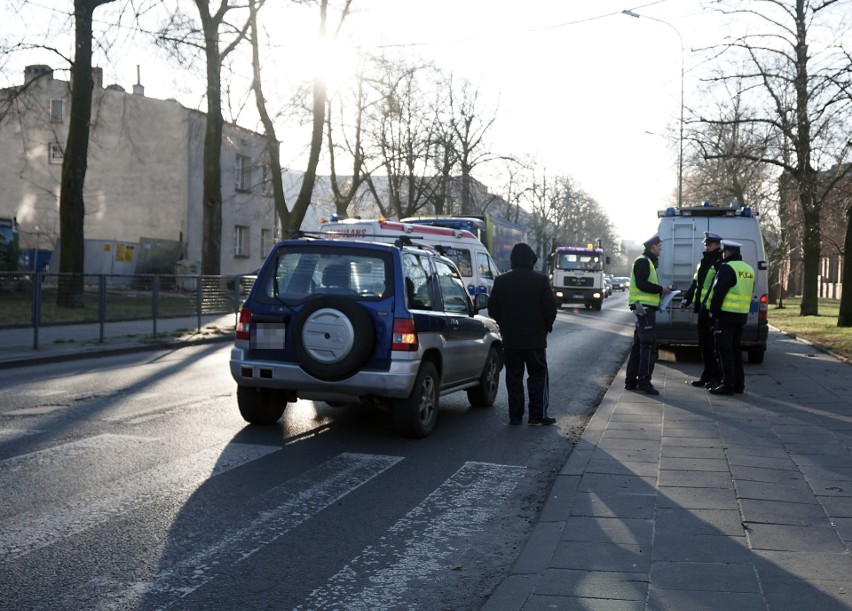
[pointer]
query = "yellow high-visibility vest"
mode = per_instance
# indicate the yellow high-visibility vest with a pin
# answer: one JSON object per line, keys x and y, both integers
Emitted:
{"x": 637, "y": 296}
{"x": 738, "y": 297}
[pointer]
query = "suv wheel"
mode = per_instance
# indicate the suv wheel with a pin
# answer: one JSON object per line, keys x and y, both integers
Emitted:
{"x": 489, "y": 382}
{"x": 416, "y": 415}
{"x": 260, "y": 405}
{"x": 333, "y": 337}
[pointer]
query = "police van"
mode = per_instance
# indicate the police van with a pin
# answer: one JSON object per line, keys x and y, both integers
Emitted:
{"x": 472, "y": 259}
{"x": 682, "y": 233}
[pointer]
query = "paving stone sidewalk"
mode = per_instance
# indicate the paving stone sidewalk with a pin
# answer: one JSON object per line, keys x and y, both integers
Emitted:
{"x": 692, "y": 501}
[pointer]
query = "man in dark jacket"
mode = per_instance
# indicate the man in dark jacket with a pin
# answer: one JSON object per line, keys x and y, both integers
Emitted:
{"x": 644, "y": 300}
{"x": 696, "y": 296}
{"x": 522, "y": 303}
{"x": 730, "y": 302}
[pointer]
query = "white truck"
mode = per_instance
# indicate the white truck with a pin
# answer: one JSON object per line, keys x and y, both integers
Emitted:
{"x": 576, "y": 275}
{"x": 472, "y": 259}
{"x": 682, "y": 233}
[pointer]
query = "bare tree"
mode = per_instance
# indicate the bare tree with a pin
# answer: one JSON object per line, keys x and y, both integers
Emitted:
{"x": 470, "y": 125}
{"x": 845, "y": 317}
{"x": 211, "y": 23}
{"x": 72, "y": 208}
{"x": 723, "y": 169}
{"x": 273, "y": 146}
{"x": 351, "y": 111}
{"x": 319, "y": 99}
{"x": 402, "y": 131}
{"x": 806, "y": 105}
{"x": 179, "y": 35}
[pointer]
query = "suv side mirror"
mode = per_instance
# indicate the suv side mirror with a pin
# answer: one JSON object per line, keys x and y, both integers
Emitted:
{"x": 480, "y": 301}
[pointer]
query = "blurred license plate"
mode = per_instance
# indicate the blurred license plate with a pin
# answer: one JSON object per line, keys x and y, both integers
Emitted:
{"x": 268, "y": 336}
{"x": 578, "y": 296}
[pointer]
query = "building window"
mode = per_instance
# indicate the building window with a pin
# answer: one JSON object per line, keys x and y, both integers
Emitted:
{"x": 242, "y": 247}
{"x": 57, "y": 110}
{"x": 265, "y": 242}
{"x": 54, "y": 153}
{"x": 241, "y": 174}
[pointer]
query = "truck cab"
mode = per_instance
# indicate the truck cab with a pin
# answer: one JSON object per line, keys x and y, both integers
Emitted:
{"x": 576, "y": 275}
{"x": 682, "y": 233}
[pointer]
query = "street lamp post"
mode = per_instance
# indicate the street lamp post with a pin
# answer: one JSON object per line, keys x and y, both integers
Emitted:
{"x": 630, "y": 13}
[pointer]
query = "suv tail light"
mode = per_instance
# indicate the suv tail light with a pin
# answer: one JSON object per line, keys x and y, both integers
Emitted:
{"x": 762, "y": 307}
{"x": 404, "y": 335}
{"x": 244, "y": 325}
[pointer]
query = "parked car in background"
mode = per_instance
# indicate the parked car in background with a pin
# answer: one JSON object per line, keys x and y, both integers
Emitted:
{"x": 620, "y": 283}
{"x": 349, "y": 321}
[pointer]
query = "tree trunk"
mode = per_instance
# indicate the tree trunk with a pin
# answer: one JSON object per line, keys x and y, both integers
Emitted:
{"x": 72, "y": 209}
{"x": 810, "y": 248}
{"x": 211, "y": 250}
{"x": 272, "y": 144}
{"x": 845, "y": 317}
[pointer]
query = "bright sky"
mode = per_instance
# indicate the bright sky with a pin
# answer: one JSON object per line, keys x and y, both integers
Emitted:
{"x": 579, "y": 84}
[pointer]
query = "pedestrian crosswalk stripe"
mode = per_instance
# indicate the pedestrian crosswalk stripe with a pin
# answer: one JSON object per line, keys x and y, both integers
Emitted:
{"x": 303, "y": 497}
{"x": 43, "y": 524}
{"x": 430, "y": 532}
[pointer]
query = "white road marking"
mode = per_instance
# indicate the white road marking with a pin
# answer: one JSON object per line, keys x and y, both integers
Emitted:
{"x": 44, "y": 525}
{"x": 38, "y": 410}
{"x": 418, "y": 547}
{"x": 304, "y": 497}
{"x": 10, "y": 434}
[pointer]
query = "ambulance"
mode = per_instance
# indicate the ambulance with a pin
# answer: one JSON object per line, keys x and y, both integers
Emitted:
{"x": 462, "y": 247}
{"x": 682, "y": 233}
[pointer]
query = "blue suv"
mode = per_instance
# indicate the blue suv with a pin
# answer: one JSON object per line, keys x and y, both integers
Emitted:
{"x": 342, "y": 321}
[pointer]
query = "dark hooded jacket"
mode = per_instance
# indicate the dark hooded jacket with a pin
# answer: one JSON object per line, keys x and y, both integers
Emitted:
{"x": 522, "y": 302}
{"x": 693, "y": 295}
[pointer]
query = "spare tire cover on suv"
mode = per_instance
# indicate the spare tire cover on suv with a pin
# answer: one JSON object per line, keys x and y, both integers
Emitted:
{"x": 332, "y": 337}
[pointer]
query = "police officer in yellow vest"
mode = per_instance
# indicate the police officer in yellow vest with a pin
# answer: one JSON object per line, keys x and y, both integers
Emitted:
{"x": 696, "y": 296}
{"x": 730, "y": 300}
{"x": 644, "y": 299}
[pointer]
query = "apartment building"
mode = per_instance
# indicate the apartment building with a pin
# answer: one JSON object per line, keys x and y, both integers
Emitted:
{"x": 144, "y": 182}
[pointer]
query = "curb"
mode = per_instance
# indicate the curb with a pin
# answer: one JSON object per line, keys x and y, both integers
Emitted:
{"x": 104, "y": 350}
{"x": 817, "y": 347}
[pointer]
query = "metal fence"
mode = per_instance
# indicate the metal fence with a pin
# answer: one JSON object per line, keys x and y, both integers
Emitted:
{"x": 30, "y": 299}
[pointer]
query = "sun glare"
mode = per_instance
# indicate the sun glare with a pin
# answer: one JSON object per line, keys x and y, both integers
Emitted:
{"x": 335, "y": 61}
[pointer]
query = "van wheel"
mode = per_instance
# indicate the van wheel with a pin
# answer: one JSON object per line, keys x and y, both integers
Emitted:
{"x": 597, "y": 305}
{"x": 485, "y": 393}
{"x": 260, "y": 405}
{"x": 416, "y": 415}
{"x": 332, "y": 337}
{"x": 755, "y": 355}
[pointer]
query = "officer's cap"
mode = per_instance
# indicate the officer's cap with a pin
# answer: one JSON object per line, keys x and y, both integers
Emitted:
{"x": 712, "y": 238}
{"x": 731, "y": 245}
{"x": 655, "y": 239}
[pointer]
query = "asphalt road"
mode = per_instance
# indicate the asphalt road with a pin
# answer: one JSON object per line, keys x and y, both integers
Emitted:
{"x": 132, "y": 482}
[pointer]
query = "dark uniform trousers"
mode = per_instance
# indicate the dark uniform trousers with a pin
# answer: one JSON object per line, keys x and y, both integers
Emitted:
{"x": 643, "y": 353}
{"x": 706, "y": 336}
{"x": 535, "y": 362}
{"x": 728, "y": 340}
